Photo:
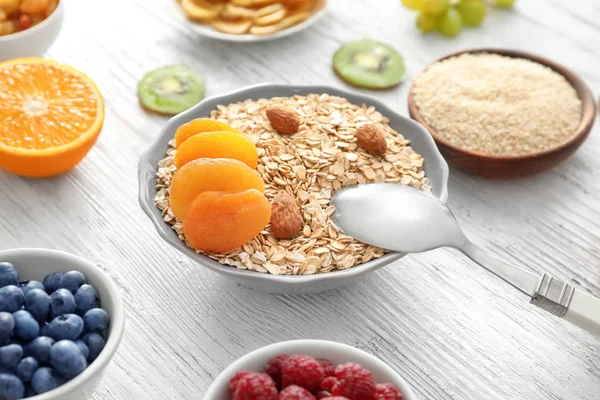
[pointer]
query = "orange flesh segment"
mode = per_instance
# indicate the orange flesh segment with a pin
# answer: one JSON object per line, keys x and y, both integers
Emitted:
{"x": 44, "y": 106}
{"x": 210, "y": 174}
{"x": 199, "y": 125}
{"x": 219, "y": 222}
{"x": 223, "y": 144}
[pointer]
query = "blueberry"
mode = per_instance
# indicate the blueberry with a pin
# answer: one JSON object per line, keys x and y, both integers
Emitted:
{"x": 39, "y": 349}
{"x": 26, "y": 368}
{"x": 44, "y": 329}
{"x": 26, "y": 327}
{"x": 96, "y": 320}
{"x": 11, "y": 299}
{"x": 7, "y": 324}
{"x": 67, "y": 359}
{"x": 61, "y": 302}
{"x": 86, "y": 298}
{"x": 52, "y": 281}
{"x": 10, "y": 355}
{"x": 72, "y": 280}
{"x": 45, "y": 379}
{"x": 11, "y": 387}
{"x": 8, "y": 274}
{"x": 83, "y": 347}
{"x": 26, "y": 286}
{"x": 37, "y": 302}
{"x": 66, "y": 326}
{"x": 95, "y": 344}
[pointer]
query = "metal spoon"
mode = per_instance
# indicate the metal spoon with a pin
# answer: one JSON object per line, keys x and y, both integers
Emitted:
{"x": 403, "y": 219}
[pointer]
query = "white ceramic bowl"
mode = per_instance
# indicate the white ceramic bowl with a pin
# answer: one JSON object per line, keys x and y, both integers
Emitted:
{"x": 207, "y": 31}
{"x": 33, "y": 42}
{"x": 435, "y": 168}
{"x": 34, "y": 264}
{"x": 337, "y": 353}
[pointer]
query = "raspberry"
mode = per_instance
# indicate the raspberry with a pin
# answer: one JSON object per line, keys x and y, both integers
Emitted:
{"x": 328, "y": 383}
{"x": 387, "y": 391}
{"x": 323, "y": 394}
{"x": 355, "y": 382}
{"x": 336, "y": 398}
{"x": 255, "y": 386}
{"x": 273, "y": 367}
{"x": 303, "y": 371}
{"x": 294, "y": 392}
{"x": 236, "y": 378}
{"x": 328, "y": 366}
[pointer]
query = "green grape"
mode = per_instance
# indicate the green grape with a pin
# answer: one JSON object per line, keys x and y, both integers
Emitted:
{"x": 504, "y": 3}
{"x": 435, "y": 7}
{"x": 450, "y": 23}
{"x": 472, "y": 12}
{"x": 426, "y": 22}
{"x": 416, "y": 5}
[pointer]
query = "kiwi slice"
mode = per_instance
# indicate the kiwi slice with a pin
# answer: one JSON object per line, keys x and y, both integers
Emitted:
{"x": 171, "y": 89}
{"x": 369, "y": 64}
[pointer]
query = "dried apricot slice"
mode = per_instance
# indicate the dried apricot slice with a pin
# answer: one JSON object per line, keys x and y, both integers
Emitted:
{"x": 199, "y": 125}
{"x": 223, "y": 144}
{"x": 210, "y": 174}
{"x": 219, "y": 222}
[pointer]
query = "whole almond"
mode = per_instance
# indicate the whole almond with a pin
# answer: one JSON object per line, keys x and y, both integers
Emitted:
{"x": 372, "y": 139}
{"x": 286, "y": 220}
{"x": 283, "y": 119}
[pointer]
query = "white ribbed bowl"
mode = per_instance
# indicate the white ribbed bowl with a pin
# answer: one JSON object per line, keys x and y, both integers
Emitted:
{"x": 337, "y": 353}
{"x": 435, "y": 168}
{"x": 35, "y": 264}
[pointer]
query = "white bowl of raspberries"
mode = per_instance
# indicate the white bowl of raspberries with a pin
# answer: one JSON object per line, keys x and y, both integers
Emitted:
{"x": 309, "y": 370}
{"x": 61, "y": 320}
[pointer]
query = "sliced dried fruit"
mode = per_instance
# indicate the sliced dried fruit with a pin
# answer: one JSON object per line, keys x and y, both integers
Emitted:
{"x": 223, "y": 144}
{"x": 370, "y": 64}
{"x": 210, "y": 174}
{"x": 171, "y": 90}
{"x": 220, "y": 222}
{"x": 232, "y": 27}
{"x": 285, "y": 23}
{"x": 199, "y": 125}
{"x": 202, "y": 11}
{"x": 51, "y": 116}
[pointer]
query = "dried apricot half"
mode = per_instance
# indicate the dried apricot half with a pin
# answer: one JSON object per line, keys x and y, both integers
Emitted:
{"x": 199, "y": 125}
{"x": 210, "y": 174}
{"x": 223, "y": 144}
{"x": 219, "y": 222}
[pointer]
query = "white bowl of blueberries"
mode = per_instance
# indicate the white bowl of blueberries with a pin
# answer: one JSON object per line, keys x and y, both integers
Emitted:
{"x": 61, "y": 320}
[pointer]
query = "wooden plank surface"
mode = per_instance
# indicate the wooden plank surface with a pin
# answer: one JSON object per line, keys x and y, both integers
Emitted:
{"x": 451, "y": 329}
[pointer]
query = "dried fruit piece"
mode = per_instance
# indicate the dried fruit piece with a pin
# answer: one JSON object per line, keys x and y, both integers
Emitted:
{"x": 199, "y": 125}
{"x": 371, "y": 137}
{"x": 210, "y": 174}
{"x": 33, "y": 6}
{"x": 285, "y": 23}
{"x": 286, "y": 220}
{"x": 283, "y": 119}
{"x": 224, "y": 144}
{"x": 232, "y": 27}
{"x": 171, "y": 90}
{"x": 199, "y": 10}
{"x": 270, "y": 19}
{"x": 220, "y": 222}
{"x": 9, "y": 6}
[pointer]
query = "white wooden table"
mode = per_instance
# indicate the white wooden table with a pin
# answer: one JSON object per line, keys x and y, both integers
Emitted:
{"x": 451, "y": 329}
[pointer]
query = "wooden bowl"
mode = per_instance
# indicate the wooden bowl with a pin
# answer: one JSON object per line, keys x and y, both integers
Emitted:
{"x": 506, "y": 166}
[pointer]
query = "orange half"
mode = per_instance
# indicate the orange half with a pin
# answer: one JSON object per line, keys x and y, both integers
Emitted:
{"x": 50, "y": 117}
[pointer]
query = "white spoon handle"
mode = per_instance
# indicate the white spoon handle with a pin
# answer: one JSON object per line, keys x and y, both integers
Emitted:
{"x": 584, "y": 311}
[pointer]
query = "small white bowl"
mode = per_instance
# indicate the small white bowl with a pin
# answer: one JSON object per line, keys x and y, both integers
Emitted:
{"x": 33, "y": 42}
{"x": 337, "y": 353}
{"x": 35, "y": 264}
{"x": 207, "y": 31}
